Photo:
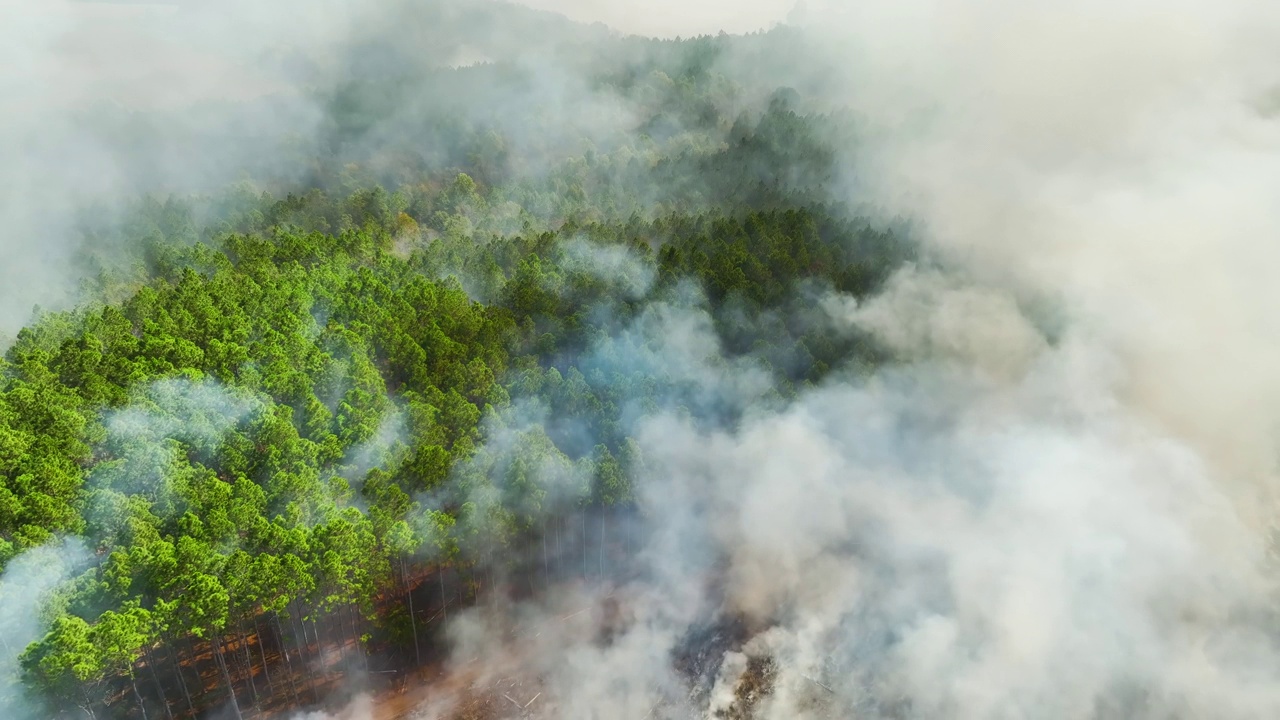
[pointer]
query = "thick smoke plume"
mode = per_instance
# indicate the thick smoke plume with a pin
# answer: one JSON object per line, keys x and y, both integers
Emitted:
{"x": 106, "y": 102}
{"x": 672, "y": 19}
{"x": 1110, "y": 158}
{"x": 1060, "y": 503}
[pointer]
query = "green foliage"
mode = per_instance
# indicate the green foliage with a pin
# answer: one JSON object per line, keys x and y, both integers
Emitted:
{"x": 276, "y": 404}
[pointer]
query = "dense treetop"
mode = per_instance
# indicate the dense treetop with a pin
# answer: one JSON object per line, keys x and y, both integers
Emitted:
{"x": 283, "y": 404}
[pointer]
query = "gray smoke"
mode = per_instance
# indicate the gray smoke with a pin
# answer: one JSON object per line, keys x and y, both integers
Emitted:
{"x": 1023, "y": 518}
{"x": 1111, "y": 158}
{"x": 668, "y": 18}
{"x": 108, "y": 101}
{"x": 28, "y": 583}
{"x": 1046, "y": 514}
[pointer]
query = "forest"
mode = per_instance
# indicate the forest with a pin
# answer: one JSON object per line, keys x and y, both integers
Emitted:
{"x": 289, "y": 426}
{"x": 460, "y": 360}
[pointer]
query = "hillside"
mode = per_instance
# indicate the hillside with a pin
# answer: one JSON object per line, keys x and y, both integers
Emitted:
{"x": 450, "y": 359}
{"x": 288, "y": 419}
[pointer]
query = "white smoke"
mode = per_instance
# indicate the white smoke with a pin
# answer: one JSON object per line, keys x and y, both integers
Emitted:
{"x": 1019, "y": 519}
{"x": 668, "y": 18}
{"x": 26, "y": 585}
{"x": 1014, "y": 521}
{"x": 1112, "y": 157}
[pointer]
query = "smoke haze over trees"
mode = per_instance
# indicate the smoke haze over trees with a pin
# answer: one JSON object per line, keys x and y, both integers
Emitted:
{"x": 889, "y": 360}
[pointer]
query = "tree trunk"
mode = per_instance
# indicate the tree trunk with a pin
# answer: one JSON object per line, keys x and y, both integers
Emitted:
{"x": 304, "y": 652}
{"x": 413, "y": 620}
{"x": 352, "y": 615}
{"x": 584, "y": 544}
{"x": 216, "y": 642}
{"x": 315, "y": 632}
{"x": 444, "y": 599}
{"x": 182, "y": 681}
{"x": 603, "y": 520}
{"x": 351, "y": 621}
{"x": 319, "y": 654}
{"x": 288, "y": 661}
{"x": 262, "y": 652}
{"x": 248, "y": 668}
{"x": 235, "y": 666}
{"x": 195, "y": 664}
{"x": 304, "y": 642}
{"x": 155, "y": 677}
{"x": 87, "y": 707}
{"x": 133, "y": 683}
{"x": 299, "y": 632}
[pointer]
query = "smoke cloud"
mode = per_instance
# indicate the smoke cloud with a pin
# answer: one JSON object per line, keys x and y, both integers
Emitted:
{"x": 1108, "y": 159}
{"x": 108, "y": 101}
{"x": 673, "y": 19}
{"x": 27, "y": 584}
{"x": 1060, "y": 502}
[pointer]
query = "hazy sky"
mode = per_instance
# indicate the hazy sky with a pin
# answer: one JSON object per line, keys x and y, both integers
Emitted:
{"x": 673, "y": 17}
{"x": 122, "y": 45}
{"x": 59, "y": 57}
